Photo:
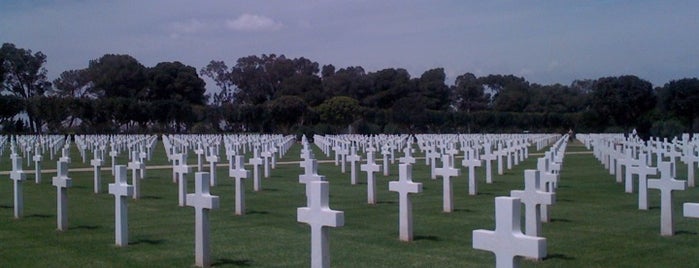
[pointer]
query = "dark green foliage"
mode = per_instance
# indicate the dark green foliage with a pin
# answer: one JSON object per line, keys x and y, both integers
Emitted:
{"x": 24, "y": 76}
{"x": 679, "y": 98}
{"x": 273, "y": 93}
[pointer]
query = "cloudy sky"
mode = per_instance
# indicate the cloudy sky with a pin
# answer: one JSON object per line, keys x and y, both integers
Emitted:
{"x": 544, "y": 41}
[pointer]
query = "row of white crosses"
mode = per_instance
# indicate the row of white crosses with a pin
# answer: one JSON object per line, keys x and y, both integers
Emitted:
{"x": 201, "y": 199}
{"x": 404, "y": 186}
{"x": 319, "y": 215}
{"x": 507, "y": 241}
{"x": 615, "y": 151}
{"x": 432, "y": 145}
{"x": 317, "y": 212}
{"x": 32, "y": 148}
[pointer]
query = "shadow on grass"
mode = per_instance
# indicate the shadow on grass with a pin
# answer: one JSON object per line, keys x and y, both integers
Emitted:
{"x": 225, "y": 261}
{"x": 257, "y": 212}
{"x": 269, "y": 190}
{"x": 153, "y": 197}
{"x": 6, "y": 206}
{"x": 462, "y": 210}
{"x": 685, "y": 233}
{"x": 560, "y": 220}
{"x": 386, "y": 202}
{"x": 148, "y": 241}
{"x": 427, "y": 237}
{"x": 85, "y": 227}
{"x": 41, "y": 216}
{"x": 563, "y": 200}
{"x": 559, "y": 256}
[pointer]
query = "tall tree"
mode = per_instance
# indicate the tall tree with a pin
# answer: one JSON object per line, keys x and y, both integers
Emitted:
{"x": 351, "y": 82}
{"x": 115, "y": 76}
{"x": 511, "y": 92}
{"x": 339, "y": 111}
{"x": 176, "y": 81}
{"x": 623, "y": 100}
{"x": 679, "y": 99}
{"x": 24, "y": 76}
{"x": 218, "y": 71}
{"x": 388, "y": 86}
{"x": 470, "y": 94}
{"x": 433, "y": 89}
{"x": 72, "y": 83}
{"x": 287, "y": 111}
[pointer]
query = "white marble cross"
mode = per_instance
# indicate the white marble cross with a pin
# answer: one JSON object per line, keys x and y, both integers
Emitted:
{"x": 121, "y": 190}
{"x": 407, "y": 156}
{"x": 405, "y": 186}
{"x": 446, "y": 172}
{"x": 37, "y": 164}
{"x": 266, "y": 155}
{"x": 691, "y": 160}
{"x": 488, "y": 157}
{"x": 310, "y": 174}
{"x": 343, "y": 157}
{"x": 471, "y": 162}
{"x": 385, "y": 151}
{"x": 17, "y": 176}
{"x": 62, "y": 182}
{"x": 142, "y": 156}
{"x": 370, "y": 167}
{"x": 432, "y": 155}
{"x": 666, "y": 184}
{"x": 182, "y": 169}
{"x": 202, "y": 201}
{"x": 499, "y": 154}
{"x": 318, "y": 215}
{"x": 533, "y": 199}
{"x": 239, "y": 173}
{"x": 96, "y": 163}
{"x": 212, "y": 158}
{"x": 113, "y": 154}
{"x": 256, "y": 161}
{"x": 643, "y": 171}
{"x": 199, "y": 151}
{"x": 136, "y": 165}
{"x": 507, "y": 241}
{"x": 353, "y": 158}
{"x": 630, "y": 162}
{"x": 65, "y": 155}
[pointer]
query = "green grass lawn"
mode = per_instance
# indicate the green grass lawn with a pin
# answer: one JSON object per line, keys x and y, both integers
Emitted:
{"x": 594, "y": 223}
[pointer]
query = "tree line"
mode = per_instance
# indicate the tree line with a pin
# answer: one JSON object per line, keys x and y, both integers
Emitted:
{"x": 273, "y": 93}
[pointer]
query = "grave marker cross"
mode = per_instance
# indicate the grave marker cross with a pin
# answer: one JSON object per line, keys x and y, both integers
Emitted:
{"x": 533, "y": 199}
{"x": 405, "y": 186}
{"x": 318, "y": 215}
{"x": 666, "y": 184}
{"x": 370, "y": 167}
{"x": 62, "y": 182}
{"x": 446, "y": 172}
{"x": 17, "y": 175}
{"x": 507, "y": 241}
{"x": 121, "y": 190}
{"x": 240, "y": 173}
{"x": 202, "y": 201}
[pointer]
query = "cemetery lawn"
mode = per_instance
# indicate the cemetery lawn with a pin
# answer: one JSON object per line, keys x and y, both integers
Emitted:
{"x": 594, "y": 223}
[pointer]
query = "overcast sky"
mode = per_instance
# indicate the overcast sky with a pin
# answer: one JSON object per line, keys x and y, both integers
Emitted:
{"x": 546, "y": 42}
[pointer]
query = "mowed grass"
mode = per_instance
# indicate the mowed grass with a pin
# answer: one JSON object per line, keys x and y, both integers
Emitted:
{"x": 594, "y": 223}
